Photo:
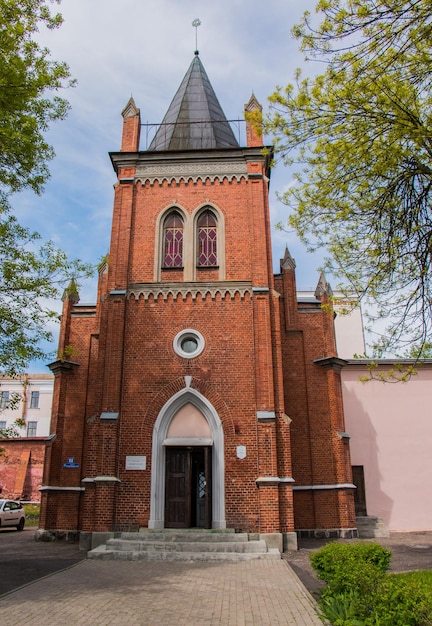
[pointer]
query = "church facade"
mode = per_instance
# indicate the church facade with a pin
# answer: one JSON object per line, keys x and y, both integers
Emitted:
{"x": 198, "y": 391}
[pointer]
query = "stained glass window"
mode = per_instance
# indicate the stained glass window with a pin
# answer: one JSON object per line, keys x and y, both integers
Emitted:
{"x": 207, "y": 240}
{"x": 173, "y": 241}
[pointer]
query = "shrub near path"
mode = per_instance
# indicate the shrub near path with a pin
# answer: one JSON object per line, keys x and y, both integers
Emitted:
{"x": 410, "y": 552}
{"x": 359, "y": 592}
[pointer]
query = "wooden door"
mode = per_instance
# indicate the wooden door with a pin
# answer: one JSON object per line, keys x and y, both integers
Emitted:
{"x": 178, "y": 488}
{"x": 188, "y": 487}
{"x": 360, "y": 491}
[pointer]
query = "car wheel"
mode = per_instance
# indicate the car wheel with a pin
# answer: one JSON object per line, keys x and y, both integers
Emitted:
{"x": 21, "y": 524}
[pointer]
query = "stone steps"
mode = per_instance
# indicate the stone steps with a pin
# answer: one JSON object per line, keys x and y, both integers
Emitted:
{"x": 370, "y": 526}
{"x": 189, "y": 534}
{"x": 189, "y": 545}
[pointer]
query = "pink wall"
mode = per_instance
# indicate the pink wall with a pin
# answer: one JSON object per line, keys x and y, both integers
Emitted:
{"x": 391, "y": 436}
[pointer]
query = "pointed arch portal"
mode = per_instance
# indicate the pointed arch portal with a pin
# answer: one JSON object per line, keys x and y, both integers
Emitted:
{"x": 162, "y": 440}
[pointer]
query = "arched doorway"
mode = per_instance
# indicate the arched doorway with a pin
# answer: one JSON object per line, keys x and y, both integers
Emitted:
{"x": 187, "y": 447}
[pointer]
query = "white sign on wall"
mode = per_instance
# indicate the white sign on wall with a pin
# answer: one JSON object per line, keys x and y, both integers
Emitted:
{"x": 241, "y": 452}
{"x": 136, "y": 462}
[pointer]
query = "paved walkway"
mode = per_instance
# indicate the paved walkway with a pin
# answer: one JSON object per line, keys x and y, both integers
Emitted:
{"x": 99, "y": 593}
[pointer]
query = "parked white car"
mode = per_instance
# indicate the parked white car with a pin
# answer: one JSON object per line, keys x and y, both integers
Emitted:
{"x": 12, "y": 514}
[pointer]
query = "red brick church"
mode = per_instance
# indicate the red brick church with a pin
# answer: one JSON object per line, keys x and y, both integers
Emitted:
{"x": 199, "y": 391}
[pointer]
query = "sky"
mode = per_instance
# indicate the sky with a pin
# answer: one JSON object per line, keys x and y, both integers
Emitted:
{"x": 143, "y": 48}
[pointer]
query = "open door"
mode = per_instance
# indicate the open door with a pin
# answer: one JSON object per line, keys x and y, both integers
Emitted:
{"x": 188, "y": 487}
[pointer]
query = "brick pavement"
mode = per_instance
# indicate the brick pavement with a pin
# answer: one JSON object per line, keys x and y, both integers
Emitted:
{"x": 102, "y": 593}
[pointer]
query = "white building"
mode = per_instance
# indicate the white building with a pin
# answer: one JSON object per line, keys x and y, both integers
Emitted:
{"x": 28, "y": 398}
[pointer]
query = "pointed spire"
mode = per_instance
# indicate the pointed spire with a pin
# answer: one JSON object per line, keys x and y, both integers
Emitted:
{"x": 71, "y": 292}
{"x": 254, "y": 122}
{"x": 253, "y": 104}
{"x": 131, "y": 127}
{"x": 130, "y": 109}
{"x": 323, "y": 287}
{"x": 287, "y": 263}
{"x": 194, "y": 120}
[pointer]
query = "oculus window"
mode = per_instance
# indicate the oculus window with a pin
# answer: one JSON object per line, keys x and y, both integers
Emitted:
{"x": 188, "y": 343}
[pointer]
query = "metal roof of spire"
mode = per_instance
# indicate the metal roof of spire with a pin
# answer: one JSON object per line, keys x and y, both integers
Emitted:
{"x": 195, "y": 119}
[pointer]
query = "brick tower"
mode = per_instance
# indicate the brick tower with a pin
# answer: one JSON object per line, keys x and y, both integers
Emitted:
{"x": 170, "y": 410}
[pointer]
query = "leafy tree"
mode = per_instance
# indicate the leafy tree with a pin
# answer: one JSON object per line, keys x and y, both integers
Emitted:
{"x": 360, "y": 134}
{"x": 30, "y": 272}
{"x": 27, "y": 75}
{"x": 11, "y": 432}
{"x": 30, "y": 277}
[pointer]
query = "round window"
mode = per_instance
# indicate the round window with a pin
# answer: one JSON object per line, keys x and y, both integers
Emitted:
{"x": 188, "y": 343}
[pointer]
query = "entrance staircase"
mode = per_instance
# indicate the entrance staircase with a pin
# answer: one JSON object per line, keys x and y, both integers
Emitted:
{"x": 371, "y": 526}
{"x": 184, "y": 545}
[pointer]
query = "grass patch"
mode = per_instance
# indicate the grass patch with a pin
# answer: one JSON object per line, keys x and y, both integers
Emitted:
{"x": 32, "y": 514}
{"x": 421, "y": 577}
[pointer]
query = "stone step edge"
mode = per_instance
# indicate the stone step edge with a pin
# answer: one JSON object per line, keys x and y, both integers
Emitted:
{"x": 103, "y": 554}
{"x": 187, "y": 537}
{"x": 243, "y": 547}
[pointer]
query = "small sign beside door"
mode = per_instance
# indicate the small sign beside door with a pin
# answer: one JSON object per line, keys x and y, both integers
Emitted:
{"x": 136, "y": 462}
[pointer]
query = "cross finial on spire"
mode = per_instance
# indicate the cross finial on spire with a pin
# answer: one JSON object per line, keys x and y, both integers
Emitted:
{"x": 195, "y": 24}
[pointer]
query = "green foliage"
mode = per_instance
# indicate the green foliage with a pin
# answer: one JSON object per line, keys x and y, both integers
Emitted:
{"x": 401, "y": 601}
{"x": 32, "y": 512}
{"x": 68, "y": 352}
{"x": 398, "y": 373}
{"x": 422, "y": 351}
{"x": 420, "y": 577}
{"x": 360, "y": 134}
{"x": 27, "y": 74}
{"x": 11, "y": 431}
{"x": 31, "y": 272}
{"x": 359, "y": 592}
{"x": 347, "y": 566}
{"x": 342, "y": 609}
{"x": 30, "y": 276}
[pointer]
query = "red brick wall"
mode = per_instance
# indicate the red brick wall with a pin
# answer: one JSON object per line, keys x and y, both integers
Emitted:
{"x": 313, "y": 401}
{"x": 11, "y": 465}
{"x": 259, "y": 356}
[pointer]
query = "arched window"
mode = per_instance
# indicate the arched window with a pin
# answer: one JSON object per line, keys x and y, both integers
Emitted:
{"x": 173, "y": 241}
{"x": 207, "y": 240}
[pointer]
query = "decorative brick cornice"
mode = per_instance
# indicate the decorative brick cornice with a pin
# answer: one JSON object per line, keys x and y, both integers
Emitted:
{"x": 59, "y": 367}
{"x": 323, "y": 487}
{"x": 157, "y": 166}
{"x": 60, "y": 488}
{"x": 267, "y": 481}
{"x": 331, "y": 363}
{"x": 191, "y": 172}
{"x": 155, "y": 290}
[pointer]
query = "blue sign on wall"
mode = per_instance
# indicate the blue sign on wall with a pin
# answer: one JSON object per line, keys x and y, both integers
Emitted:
{"x": 70, "y": 462}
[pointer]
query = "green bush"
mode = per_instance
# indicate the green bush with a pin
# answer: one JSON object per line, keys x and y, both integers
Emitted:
{"x": 359, "y": 592}
{"x": 401, "y": 601}
{"x": 352, "y": 566}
